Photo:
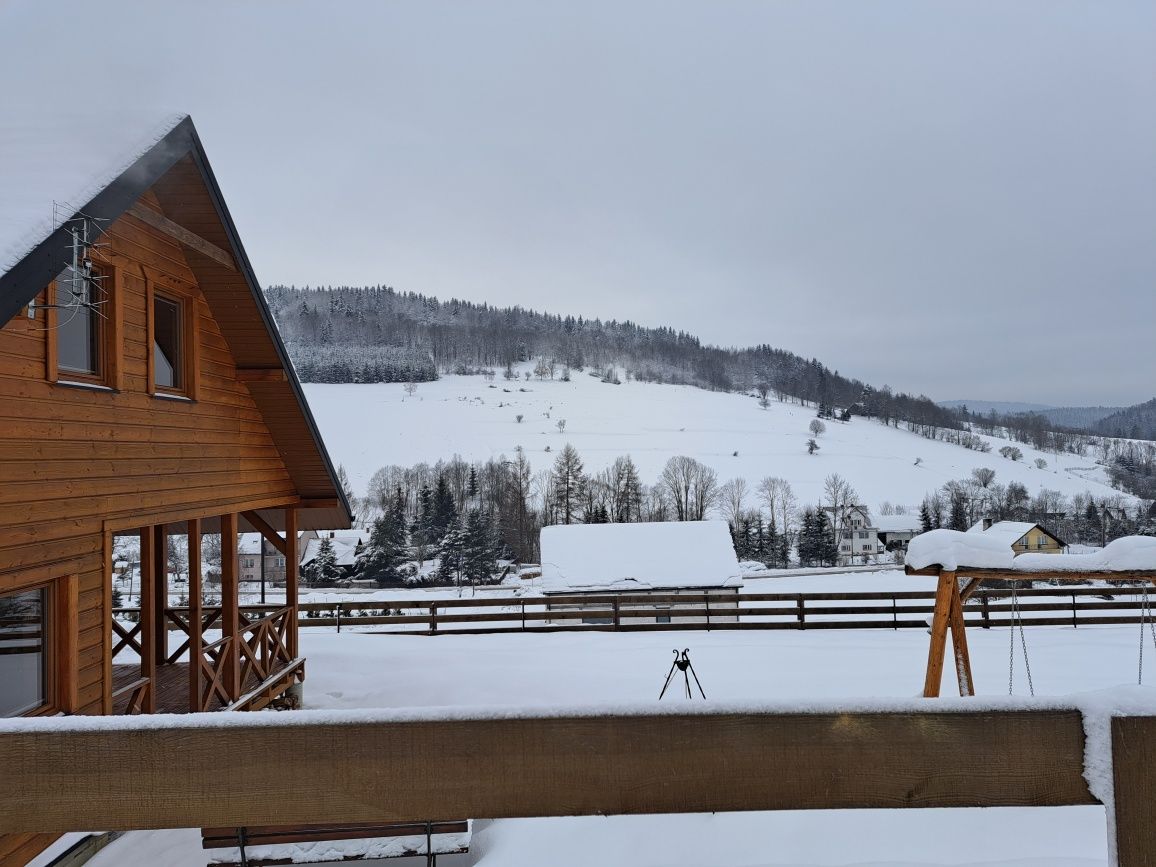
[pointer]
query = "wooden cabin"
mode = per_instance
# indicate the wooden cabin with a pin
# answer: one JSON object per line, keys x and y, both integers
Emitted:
{"x": 1022, "y": 536}
{"x": 144, "y": 392}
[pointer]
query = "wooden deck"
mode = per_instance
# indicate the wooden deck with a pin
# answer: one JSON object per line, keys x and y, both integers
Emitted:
{"x": 172, "y": 686}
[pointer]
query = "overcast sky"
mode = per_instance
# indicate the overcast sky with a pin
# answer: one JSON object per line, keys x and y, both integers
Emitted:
{"x": 952, "y": 198}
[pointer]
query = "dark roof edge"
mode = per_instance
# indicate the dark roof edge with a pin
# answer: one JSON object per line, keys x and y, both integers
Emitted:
{"x": 202, "y": 161}
{"x": 37, "y": 269}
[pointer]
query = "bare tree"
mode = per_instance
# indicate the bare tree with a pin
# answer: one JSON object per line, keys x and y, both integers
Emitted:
{"x": 839, "y": 496}
{"x": 983, "y": 476}
{"x": 817, "y": 428}
{"x": 410, "y": 388}
{"x": 693, "y": 487}
{"x": 780, "y": 501}
{"x": 732, "y": 499}
{"x": 561, "y": 425}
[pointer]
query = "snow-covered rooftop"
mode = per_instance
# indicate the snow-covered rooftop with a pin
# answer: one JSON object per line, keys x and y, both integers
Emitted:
{"x": 897, "y": 523}
{"x": 51, "y": 155}
{"x": 1009, "y": 532}
{"x": 344, "y": 547}
{"x": 638, "y": 556}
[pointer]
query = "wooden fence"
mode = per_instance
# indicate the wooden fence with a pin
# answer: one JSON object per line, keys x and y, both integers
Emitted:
{"x": 61, "y": 776}
{"x": 986, "y": 608}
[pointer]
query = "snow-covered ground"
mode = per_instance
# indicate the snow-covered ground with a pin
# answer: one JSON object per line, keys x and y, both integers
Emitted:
{"x": 354, "y": 670}
{"x": 464, "y": 415}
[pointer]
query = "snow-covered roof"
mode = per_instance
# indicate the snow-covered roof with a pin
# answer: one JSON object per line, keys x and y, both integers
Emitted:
{"x": 344, "y": 549}
{"x": 1009, "y": 531}
{"x": 49, "y": 155}
{"x": 638, "y": 556}
{"x": 951, "y": 550}
{"x": 898, "y": 523}
{"x": 250, "y": 543}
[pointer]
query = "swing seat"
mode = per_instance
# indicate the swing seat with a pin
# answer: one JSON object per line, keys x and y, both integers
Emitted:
{"x": 274, "y": 845}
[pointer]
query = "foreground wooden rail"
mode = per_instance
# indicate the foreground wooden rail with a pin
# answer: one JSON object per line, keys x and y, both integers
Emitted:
{"x": 1073, "y": 606}
{"x": 75, "y": 774}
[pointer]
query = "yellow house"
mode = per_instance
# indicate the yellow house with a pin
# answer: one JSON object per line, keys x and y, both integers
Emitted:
{"x": 1022, "y": 536}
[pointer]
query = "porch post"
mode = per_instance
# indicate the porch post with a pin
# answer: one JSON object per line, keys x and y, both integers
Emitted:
{"x": 148, "y": 622}
{"x": 291, "y": 558}
{"x": 160, "y": 599}
{"x": 195, "y": 621}
{"x": 230, "y": 606}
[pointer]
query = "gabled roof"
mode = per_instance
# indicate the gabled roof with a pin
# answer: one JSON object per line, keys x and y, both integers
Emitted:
{"x": 101, "y": 171}
{"x": 898, "y": 524}
{"x": 646, "y": 556}
{"x": 1012, "y": 531}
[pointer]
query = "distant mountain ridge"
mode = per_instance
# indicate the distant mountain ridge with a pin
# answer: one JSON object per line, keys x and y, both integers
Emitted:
{"x": 1085, "y": 418}
{"x": 1135, "y": 422}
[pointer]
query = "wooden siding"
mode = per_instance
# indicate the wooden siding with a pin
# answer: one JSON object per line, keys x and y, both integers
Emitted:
{"x": 75, "y": 462}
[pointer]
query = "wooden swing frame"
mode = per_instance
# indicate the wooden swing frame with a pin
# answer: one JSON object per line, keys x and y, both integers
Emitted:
{"x": 948, "y": 615}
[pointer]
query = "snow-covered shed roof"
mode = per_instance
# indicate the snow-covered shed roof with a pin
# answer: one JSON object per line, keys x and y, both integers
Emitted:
{"x": 250, "y": 543}
{"x": 672, "y": 555}
{"x": 898, "y": 523}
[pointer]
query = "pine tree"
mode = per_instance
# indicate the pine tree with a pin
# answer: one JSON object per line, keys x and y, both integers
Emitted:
{"x": 452, "y": 554}
{"x": 444, "y": 510}
{"x": 380, "y": 560}
{"x": 826, "y": 548}
{"x": 569, "y": 484}
{"x": 479, "y": 549}
{"x": 323, "y": 571}
{"x": 925, "y": 518}
{"x": 807, "y": 552}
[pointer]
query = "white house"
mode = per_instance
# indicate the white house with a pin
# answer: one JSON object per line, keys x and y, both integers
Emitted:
{"x": 638, "y": 562}
{"x": 858, "y": 537}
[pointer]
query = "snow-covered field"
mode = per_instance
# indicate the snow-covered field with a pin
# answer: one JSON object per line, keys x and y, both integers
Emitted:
{"x": 464, "y": 415}
{"x": 354, "y": 670}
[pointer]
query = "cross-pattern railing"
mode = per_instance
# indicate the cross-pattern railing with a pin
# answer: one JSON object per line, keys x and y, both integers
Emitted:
{"x": 263, "y": 646}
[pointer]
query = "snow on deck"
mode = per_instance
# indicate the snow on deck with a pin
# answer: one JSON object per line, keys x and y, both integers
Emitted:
{"x": 644, "y": 556}
{"x": 50, "y": 154}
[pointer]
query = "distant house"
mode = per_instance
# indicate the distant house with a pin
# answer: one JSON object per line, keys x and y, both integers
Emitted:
{"x": 896, "y": 531}
{"x": 1022, "y": 536}
{"x": 347, "y": 544}
{"x": 249, "y": 559}
{"x": 641, "y": 562}
{"x": 858, "y": 537}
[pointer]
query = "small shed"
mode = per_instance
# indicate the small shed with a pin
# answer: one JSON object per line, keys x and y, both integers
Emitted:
{"x": 897, "y": 531}
{"x": 649, "y": 566}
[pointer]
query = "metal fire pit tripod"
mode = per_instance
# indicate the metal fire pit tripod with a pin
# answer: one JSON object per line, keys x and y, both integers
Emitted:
{"x": 682, "y": 663}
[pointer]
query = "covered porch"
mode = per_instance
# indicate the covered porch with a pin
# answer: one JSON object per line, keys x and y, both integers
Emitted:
{"x": 196, "y": 657}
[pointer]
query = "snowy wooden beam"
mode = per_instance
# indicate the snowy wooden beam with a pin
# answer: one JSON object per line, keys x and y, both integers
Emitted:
{"x": 312, "y": 766}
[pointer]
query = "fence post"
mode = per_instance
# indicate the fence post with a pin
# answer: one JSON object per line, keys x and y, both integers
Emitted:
{"x": 523, "y": 615}
{"x": 802, "y": 613}
{"x": 433, "y": 618}
{"x": 1074, "y": 623}
{"x": 338, "y": 612}
{"x": 617, "y": 615}
{"x": 706, "y": 602}
{"x": 894, "y": 615}
{"x": 986, "y": 617}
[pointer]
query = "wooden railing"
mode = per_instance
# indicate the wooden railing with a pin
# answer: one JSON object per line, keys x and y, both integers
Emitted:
{"x": 987, "y": 608}
{"x": 908, "y": 609}
{"x": 66, "y": 775}
{"x": 264, "y": 647}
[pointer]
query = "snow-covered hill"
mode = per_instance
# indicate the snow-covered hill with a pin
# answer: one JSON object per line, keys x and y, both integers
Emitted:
{"x": 369, "y": 426}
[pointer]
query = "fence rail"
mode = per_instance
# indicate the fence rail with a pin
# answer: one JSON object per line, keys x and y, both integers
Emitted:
{"x": 905, "y": 609}
{"x": 100, "y": 774}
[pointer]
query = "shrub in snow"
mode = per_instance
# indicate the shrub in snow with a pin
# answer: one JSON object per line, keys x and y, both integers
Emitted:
{"x": 518, "y": 418}
{"x": 1041, "y": 464}
{"x": 1011, "y": 453}
{"x": 812, "y": 446}
{"x": 816, "y": 427}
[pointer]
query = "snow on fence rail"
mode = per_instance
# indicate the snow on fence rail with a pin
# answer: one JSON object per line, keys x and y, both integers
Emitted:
{"x": 393, "y": 766}
{"x": 986, "y": 608}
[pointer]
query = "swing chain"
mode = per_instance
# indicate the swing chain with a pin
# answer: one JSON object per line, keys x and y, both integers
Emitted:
{"x": 1017, "y": 620}
{"x": 1145, "y": 617}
